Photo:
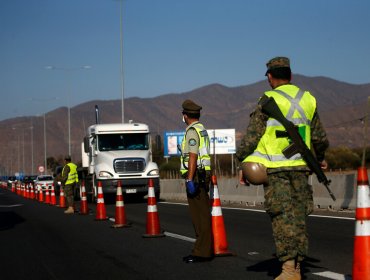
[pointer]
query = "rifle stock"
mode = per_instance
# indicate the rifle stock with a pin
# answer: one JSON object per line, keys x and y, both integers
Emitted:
{"x": 270, "y": 107}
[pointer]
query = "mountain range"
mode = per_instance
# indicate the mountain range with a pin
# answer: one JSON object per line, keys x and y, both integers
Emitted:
{"x": 342, "y": 108}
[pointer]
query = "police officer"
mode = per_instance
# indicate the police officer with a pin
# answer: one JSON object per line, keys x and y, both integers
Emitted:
{"x": 195, "y": 169}
{"x": 69, "y": 178}
{"x": 288, "y": 196}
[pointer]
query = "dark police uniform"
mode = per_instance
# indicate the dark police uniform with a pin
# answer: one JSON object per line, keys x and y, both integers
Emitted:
{"x": 196, "y": 141}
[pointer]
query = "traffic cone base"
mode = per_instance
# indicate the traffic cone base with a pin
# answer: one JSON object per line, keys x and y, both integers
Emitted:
{"x": 121, "y": 225}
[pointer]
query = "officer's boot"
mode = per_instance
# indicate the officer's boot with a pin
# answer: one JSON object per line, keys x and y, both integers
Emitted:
{"x": 289, "y": 271}
{"x": 69, "y": 210}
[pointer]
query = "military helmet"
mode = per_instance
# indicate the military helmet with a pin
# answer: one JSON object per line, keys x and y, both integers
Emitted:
{"x": 254, "y": 172}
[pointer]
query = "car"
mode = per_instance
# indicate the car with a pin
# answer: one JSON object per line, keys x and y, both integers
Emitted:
{"x": 29, "y": 179}
{"x": 11, "y": 180}
{"x": 44, "y": 181}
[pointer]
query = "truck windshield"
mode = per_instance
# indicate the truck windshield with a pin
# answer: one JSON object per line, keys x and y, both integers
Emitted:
{"x": 118, "y": 142}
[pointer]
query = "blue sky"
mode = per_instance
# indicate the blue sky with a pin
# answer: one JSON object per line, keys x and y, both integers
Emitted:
{"x": 170, "y": 46}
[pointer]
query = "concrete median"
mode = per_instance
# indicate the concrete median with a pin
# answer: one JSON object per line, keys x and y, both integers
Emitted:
{"x": 231, "y": 192}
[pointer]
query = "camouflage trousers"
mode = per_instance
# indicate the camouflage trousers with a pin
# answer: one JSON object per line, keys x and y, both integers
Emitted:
{"x": 288, "y": 201}
{"x": 68, "y": 192}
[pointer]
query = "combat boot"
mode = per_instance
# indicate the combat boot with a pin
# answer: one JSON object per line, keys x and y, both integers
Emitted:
{"x": 289, "y": 271}
{"x": 69, "y": 210}
{"x": 298, "y": 268}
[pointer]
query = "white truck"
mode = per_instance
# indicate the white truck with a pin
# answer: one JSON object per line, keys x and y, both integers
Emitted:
{"x": 119, "y": 152}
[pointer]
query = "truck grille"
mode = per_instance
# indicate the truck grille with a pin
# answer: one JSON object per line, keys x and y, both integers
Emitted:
{"x": 129, "y": 165}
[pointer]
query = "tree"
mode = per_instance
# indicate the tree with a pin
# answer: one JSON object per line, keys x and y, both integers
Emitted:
{"x": 342, "y": 158}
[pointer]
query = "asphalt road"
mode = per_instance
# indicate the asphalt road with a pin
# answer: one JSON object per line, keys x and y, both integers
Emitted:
{"x": 38, "y": 241}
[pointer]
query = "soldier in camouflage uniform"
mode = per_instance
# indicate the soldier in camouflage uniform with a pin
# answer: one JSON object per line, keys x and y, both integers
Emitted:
{"x": 288, "y": 196}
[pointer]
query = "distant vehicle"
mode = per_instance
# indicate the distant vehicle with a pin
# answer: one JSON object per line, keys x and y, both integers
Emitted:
{"x": 44, "y": 181}
{"x": 11, "y": 180}
{"x": 118, "y": 152}
{"x": 29, "y": 179}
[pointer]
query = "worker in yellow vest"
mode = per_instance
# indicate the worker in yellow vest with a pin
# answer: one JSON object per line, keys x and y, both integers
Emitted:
{"x": 288, "y": 196}
{"x": 69, "y": 178}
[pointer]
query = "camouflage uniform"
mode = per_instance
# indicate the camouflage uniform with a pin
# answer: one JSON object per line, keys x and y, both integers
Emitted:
{"x": 288, "y": 196}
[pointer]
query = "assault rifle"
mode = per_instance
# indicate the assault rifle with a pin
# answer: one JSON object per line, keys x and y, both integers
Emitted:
{"x": 270, "y": 107}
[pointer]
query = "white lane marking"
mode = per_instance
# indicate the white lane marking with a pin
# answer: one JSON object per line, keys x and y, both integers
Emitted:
{"x": 178, "y": 236}
{"x": 333, "y": 217}
{"x": 333, "y": 275}
{"x": 263, "y": 211}
{"x": 10, "y": 206}
{"x": 327, "y": 274}
{"x": 175, "y": 203}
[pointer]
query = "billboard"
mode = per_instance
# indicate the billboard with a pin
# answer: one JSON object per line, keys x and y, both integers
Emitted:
{"x": 171, "y": 140}
{"x": 222, "y": 141}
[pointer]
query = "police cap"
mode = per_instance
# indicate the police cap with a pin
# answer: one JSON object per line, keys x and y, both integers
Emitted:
{"x": 68, "y": 158}
{"x": 277, "y": 62}
{"x": 188, "y": 106}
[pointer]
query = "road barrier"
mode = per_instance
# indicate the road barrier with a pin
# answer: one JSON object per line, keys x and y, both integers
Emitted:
{"x": 231, "y": 192}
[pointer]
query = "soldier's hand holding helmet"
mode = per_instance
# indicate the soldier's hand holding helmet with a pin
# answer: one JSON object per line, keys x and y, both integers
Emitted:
{"x": 254, "y": 173}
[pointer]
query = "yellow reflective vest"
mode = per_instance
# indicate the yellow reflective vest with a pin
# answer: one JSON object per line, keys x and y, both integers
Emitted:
{"x": 297, "y": 106}
{"x": 72, "y": 175}
{"x": 204, "y": 159}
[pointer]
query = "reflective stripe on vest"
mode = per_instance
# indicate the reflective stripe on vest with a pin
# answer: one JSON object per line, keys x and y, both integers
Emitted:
{"x": 298, "y": 107}
{"x": 72, "y": 175}
{"x": 204, "y": 160}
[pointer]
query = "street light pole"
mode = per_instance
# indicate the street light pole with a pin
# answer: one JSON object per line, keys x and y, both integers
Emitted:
{"x": 69, "y": 69}
{"x": 31, "y": 128}
{"x": 44, "y": 116}
{"x": 45, "y": 143}
{"x": 121, "y": 55}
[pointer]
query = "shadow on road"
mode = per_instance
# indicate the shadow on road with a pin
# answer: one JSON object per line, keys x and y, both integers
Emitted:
{"x": 273, "y": 267}
{"x": 9, "y": 219}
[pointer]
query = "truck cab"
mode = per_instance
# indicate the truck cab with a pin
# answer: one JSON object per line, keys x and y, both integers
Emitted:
{"x": 119, "y": 153}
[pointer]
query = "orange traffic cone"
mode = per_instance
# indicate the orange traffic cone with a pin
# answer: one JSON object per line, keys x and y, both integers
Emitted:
{"x": 32, "y": 193}
{"x": 13, "y": 187}
{"x": 100, "y": 205}
{"x": 361, "y": 250}
{"x": 62, "y": 198}
{"x": 18, "y": 190}
{"x": 218, "y": 227}
{"x": 153, "y": 228}
{"x": 120, "y": 218}
{"x": 53, "y": 200}
{"x": 41, "y": 194}
{"x": 26, "y": 191}
{"x": 47, "y": 196}
{"x": 84, "y": 210}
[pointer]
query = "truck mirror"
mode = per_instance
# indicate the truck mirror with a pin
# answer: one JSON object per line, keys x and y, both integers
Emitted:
{"x": 86, "y": 144}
